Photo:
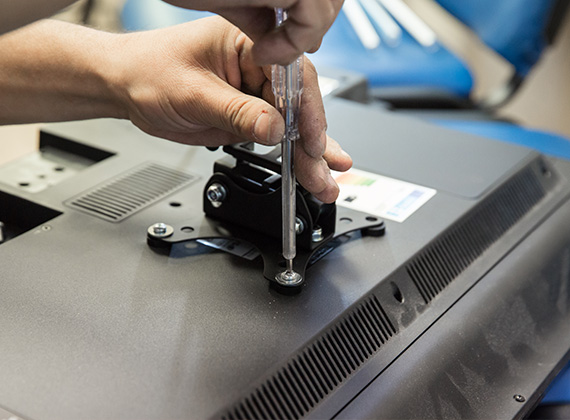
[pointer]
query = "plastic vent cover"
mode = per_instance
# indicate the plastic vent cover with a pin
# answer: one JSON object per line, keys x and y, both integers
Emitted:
{"x": 433, "y": 269}
{"x": 319, "y": 368}
{"x": 130, "y": 192}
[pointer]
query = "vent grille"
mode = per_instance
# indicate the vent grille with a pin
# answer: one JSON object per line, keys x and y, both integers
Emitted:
{"x": 130, "y": 192}
{"x": 320, "y": 367}
{"x": 445, "y": 259}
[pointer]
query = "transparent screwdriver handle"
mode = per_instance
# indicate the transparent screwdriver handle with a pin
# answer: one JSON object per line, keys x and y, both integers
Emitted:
{"x": 287, "y": 83}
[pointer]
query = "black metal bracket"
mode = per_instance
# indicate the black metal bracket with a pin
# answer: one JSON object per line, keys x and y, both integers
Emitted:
{"x": 242, "y": 200}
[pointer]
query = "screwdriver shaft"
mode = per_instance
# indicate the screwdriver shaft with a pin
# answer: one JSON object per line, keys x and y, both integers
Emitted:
{"x": 287, "y": 84}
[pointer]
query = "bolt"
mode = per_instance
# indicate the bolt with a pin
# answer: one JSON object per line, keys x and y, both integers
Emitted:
{"x": 299, "y": 225}
{"x": 317, "y": 235}
{"x": 289, "y": 278}
{"x": 216, "y": 194}
{"x": 519, "y": 398}
{"x": 160, "y": 230}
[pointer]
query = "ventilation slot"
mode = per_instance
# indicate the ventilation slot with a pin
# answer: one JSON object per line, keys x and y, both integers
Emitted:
{"x": 446, "y": 258}
{"x": 320, "y": 367}
{"x": 130, "y": 192}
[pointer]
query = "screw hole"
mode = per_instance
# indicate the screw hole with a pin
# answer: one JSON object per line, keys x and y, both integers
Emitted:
{"x": 397, "y": 293}
{"x": 371, "y": 218}
{"x": 175, "y": 204}
{"x": 24, "y": 184}
{"x": 345, "y": 220}
{"x": 59, "y": 169}
{"x": 187, "y": 229}
{"x": 519, "y": 398}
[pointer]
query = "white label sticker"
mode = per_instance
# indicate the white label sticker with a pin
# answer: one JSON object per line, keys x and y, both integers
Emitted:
{"x": 385, "y": 197}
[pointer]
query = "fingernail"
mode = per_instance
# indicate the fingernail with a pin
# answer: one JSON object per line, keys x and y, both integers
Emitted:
{"x": 263, "y": 130}
{"x": 343, "y": 153}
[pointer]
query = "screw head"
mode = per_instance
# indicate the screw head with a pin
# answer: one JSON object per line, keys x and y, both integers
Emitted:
{"x": 519, "y": 398}
{"x": 216, "y": 194}
{"x": 289, "y": 278}
{"x": 160, "y": 230}
{"x": 317, "y": 235}
{"x": 299, "y": 225}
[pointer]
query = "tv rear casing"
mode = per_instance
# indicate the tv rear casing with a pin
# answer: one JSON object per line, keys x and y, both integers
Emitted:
{"x": 461, "y": 311}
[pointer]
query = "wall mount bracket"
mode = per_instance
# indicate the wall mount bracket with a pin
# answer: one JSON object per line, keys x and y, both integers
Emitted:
{"x": 242, "y": 200}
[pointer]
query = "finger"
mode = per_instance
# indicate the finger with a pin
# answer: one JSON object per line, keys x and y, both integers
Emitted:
{"x": 312, "y": 119}
{"x": 314, "y": 175}
{"x": 336, "y": 158}
{"x": 251, "y": 118}
{"x": 308, "y": 21}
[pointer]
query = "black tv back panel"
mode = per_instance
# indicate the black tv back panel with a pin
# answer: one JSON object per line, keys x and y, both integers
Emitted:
{"x": 459, "y": 311}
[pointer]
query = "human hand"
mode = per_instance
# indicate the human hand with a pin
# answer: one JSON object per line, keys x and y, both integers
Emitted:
{"x": 198, "y": 84}
{"x": 308, "y": 21}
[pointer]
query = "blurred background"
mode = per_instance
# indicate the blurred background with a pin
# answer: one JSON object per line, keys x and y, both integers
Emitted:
{"x": 542, "y": 102}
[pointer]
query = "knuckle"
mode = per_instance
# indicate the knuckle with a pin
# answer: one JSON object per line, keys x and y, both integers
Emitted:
{"x": 236, "y": 111}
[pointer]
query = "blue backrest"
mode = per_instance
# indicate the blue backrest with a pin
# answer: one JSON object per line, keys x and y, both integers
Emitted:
{"x": 516, "y": 29}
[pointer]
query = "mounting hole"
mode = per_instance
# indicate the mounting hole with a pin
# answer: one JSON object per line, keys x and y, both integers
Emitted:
{"x": 397, "y": 293}
{"x": 544, "y": 170}
{"x": 371, "y": 218}
{"x": 175, "y": 204}
{"x": 345, "y": 220}
{"x": 187, "y": 229}
{"x": 59, "y": 169}
{"x": 24, "y": 184}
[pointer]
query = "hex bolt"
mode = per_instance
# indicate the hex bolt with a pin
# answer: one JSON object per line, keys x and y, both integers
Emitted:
{"x": 160, "y": 230}
{"x": 299, "y": 225}
{"x": 216, "y": 194}
{"x": 519, "y": 398}
{"x": 317, "y": 235}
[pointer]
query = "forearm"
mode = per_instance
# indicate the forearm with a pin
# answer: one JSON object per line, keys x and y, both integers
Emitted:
{"x": 56, "y": 71}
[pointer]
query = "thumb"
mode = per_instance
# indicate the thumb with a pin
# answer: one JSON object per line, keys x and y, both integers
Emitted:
{"x": 249, "y": 117}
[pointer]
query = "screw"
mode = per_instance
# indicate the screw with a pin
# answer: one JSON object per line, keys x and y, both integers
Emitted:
{"x": 317, "y": 235}
{"x": 216, "y": 194}
{"x": 160, "y": 230}
{"x": 289, "y": 278}
{"x": 299, "y": 225}
{"x": 519, "y": 398}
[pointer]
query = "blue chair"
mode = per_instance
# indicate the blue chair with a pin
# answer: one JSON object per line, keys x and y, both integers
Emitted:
{"x": 395, "y": 70}
{"x": 411, "y": 75}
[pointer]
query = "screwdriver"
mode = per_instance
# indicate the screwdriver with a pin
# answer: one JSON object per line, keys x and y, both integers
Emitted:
{"x": 287, "y": 84}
